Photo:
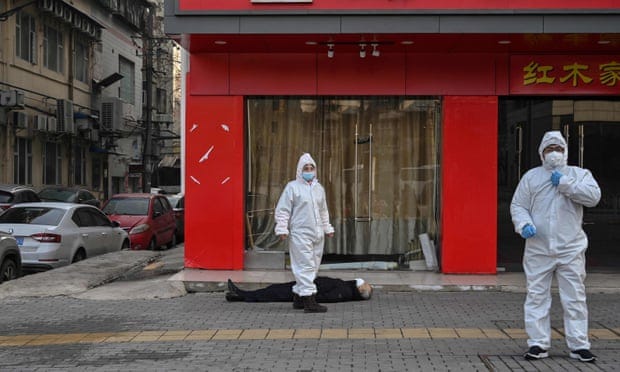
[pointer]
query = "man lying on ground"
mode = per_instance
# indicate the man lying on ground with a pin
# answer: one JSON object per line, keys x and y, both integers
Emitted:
{"x": 328, "y": 290}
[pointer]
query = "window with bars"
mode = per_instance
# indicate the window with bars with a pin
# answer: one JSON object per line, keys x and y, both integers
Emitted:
{"x": 22, "y": 161}
{"x": 52, "y": 163}
{"x": 79, "y": 165}
{"x": 53, "y": 49}
{"x": 82, "y": 60}
{"x": 128, "y": 83}
{"x": 26, "y": 37}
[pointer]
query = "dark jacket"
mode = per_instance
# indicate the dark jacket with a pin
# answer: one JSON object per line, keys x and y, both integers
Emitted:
{"x": 328, "y": 290}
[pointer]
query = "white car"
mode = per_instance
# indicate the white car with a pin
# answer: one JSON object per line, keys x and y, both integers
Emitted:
{"x": 51, "y": 235}
{"x": 10, "y": 259}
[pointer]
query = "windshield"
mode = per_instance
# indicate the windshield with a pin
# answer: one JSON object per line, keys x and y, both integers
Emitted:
{"x": 128, "y": 206}
{"x": 173, "y": 200}
{"x": 33, "y": 215}
{"x": 57, "y": 195}
{"x": 6, "y": 197}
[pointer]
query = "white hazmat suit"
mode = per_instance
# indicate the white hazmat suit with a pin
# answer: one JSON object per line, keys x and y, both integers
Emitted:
{"x": 554, "y": 207}
{"x": 301, "y": 213}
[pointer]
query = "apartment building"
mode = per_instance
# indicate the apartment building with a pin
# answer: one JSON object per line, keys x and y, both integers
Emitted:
{"x": 73, "y": 108}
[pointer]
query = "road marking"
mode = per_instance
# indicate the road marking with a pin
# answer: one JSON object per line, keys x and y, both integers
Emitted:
{"x": 278, "y": 334}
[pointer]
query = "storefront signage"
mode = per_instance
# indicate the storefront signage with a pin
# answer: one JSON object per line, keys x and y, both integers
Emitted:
{"x": 280, "y": 1}
{"x": 570, "y": 74}
{"x": 357, "y": 5}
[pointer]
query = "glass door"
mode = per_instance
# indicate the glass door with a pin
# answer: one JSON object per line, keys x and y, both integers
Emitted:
{"x": 377, "y": 159}
{"x": 592, "y": 130}
{"x": 592, "y": 145}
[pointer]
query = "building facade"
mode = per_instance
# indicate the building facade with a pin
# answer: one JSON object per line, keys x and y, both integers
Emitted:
{"x": 76, "y": 70}
{"x": 422, "y": 117}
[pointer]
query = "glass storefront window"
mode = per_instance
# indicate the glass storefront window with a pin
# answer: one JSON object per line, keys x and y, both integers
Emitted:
{"x": 377, "y": 158}
{"x": 592, "y": 130}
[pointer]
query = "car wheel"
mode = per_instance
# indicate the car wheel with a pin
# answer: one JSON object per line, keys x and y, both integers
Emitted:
{"x": 153, "y": 245}
{"x": 80, "y": 255}
{"x": 8, "y": 270}
{"x": 173, "y": 241}
{"x": 125, "y": 245}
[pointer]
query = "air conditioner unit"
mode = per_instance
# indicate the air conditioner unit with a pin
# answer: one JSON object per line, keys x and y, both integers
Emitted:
{"x": 20, "y": 120}
{"x": 51, "y": 124}
{"x": 12, "y": 98}
{"x": 93, "y": 135}
{"x": 163, "y": 118}
{"x": 111, "y": 114}
{"x": 64, "y": 116}
{"x": 47, "y": 5}
{"x": 40, "y": 122}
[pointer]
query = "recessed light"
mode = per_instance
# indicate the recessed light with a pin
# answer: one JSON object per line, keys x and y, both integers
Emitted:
{"x": 406, "y": 42}
{"x": 504, "y": 42}
{"x": 604, "y": 42}
{"x": 311, "y": 43}
{"x": 220, "y": 42}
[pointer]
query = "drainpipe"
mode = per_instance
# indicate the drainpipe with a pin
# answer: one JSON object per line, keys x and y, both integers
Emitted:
{"x": 148, "y": 66}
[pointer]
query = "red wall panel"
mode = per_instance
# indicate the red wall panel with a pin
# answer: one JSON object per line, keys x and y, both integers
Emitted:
{"x": 438, "y": 74}
{"x": 210, "y": 75}
{"x": 272, "y": 73}
{"x": 348, "y": 74}
{"x": 214, "y": 182}
{"x": 469, "y": 185}
{"x": 189, "y": 5}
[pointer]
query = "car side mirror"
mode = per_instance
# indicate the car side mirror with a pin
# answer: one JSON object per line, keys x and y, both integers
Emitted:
{"x": 156, "y": 214}
{"x": 116, "y": 224}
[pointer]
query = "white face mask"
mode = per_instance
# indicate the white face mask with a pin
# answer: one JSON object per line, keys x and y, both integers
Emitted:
{"x": 554, "y": 159}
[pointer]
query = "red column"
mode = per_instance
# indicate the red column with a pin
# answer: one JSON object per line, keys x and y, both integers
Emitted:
{"x": 214, "y": 211}
{"x": 469, "y": 185}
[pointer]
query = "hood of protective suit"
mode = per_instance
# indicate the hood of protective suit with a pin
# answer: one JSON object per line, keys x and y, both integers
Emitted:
{"x": 303, "y": 160}
{"x": 553, "y": 138}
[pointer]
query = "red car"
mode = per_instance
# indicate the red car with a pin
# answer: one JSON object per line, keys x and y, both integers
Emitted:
{"x": 148, "y": 219}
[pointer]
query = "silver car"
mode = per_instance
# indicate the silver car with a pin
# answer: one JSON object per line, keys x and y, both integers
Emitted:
{"x": 10, "y": 259}
{"x": 50, "y": 235}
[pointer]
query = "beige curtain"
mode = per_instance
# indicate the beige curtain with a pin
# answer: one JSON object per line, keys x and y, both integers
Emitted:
{"x": 377, "y": 159}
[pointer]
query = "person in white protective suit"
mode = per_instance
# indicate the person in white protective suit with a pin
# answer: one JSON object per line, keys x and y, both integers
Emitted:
{"x": 301, "y": 216}
{"x": 547, "y": 211}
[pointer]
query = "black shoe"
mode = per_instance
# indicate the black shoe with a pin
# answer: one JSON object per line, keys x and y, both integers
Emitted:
{"x": 311, "y": 306}
{"x": 536, "y": 352}
{"x": 584, "y": 355}
{"x": 233, "y": 297}
{"x": 297, "y": 302}
{"x": 231, "y": 286}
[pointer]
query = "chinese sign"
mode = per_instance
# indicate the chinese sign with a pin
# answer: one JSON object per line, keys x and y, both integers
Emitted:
{"x": 570, "y": 74}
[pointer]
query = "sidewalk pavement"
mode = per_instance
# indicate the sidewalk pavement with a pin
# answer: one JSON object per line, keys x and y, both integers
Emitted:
{"x": 77, "y": 279}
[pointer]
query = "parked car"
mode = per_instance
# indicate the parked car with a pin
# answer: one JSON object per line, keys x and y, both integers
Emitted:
{"x": 50, "y": 235}
{"x": 69, "y": 195}
{"x": 177, "y": 201}
{"x": 148, "y": 218}
{"x": 15, "y": 194}
{"x": 10, "y": 259}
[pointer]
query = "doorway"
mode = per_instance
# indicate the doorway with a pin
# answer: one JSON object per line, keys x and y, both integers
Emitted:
{"x": 377, "y": 159}
{"x": 592, "y": 130}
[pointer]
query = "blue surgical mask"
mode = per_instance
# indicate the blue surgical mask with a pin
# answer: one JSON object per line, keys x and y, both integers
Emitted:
{"x": 308, "y": 176}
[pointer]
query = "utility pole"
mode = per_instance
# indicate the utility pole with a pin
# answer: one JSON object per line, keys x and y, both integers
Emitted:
{"x": 148, "y": 122}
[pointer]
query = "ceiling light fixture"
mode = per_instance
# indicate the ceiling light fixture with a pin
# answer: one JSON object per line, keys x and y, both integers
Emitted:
{"x": 375, "y": 51}
{"x": 330, "y": 50}
{"x": 362, "y": 50}
{"x": 220, "y": 42}
{"x": 604, "y": 42}
{"x": 504, "y": 42}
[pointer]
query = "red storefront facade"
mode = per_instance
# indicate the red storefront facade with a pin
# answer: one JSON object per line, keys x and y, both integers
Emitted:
{"x": 466, "y": 55}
